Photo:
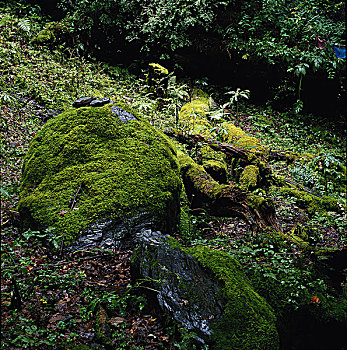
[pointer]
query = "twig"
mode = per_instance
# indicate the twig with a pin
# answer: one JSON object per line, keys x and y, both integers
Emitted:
{"x": 72, "y": 201}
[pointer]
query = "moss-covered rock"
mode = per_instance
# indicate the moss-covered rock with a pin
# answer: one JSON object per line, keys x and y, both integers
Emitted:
{"x": 51, "y": 33}
{"x": 207, "y": 292}
{"x": 97, "y": 165}
{"x": 247, "y": 322}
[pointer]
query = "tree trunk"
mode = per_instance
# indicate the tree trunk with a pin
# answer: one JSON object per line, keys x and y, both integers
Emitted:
{"x": 225, "y": 200}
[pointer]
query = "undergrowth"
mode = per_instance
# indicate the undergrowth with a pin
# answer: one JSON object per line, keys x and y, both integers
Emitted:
{"x": 51, "y": 299}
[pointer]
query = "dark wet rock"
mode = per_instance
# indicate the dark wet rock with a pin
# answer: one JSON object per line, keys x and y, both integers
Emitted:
{"x": 49, "y": 114}
{"x": 116, "y": 234}
{"x": 181, "y": 277}
{"x": 123, "y": 115}
{"x": 206, "y": 292}
{"x": 100, "y": 102}
{"x": 83, "y": 102}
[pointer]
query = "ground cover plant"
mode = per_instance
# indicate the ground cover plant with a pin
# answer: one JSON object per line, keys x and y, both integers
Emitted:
{"x": 86, "y": 299}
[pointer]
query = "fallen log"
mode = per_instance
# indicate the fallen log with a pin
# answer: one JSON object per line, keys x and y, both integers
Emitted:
{"x": 225, "y": 200}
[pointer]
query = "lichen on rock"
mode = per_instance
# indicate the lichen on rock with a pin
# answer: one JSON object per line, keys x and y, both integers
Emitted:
{"x": 88, "y": 169}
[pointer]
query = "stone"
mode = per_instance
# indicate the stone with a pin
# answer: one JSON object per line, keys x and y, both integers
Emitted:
{"x": 83, "y": 102}
{"x": 123, "y": 115}
{"x": 99, "y": 181}
{"x": 49, "y": 114}
{"x": 206, "y": 292}
{"x": 100, "y": 102}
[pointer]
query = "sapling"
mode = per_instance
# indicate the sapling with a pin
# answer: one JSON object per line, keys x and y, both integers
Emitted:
{"x": 235, "y": 96}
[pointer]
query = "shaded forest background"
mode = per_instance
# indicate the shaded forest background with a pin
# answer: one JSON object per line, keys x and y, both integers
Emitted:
{"x": 268, "y": 47}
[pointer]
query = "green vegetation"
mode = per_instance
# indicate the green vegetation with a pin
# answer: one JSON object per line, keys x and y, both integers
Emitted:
{"x": 88, "y": 154}
{"x": 247, "y": 321}
{"x": 280, "y": 35}
{"x": 53, "y": 299}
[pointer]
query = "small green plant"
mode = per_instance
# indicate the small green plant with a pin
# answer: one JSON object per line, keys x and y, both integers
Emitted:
{"x": 192, "y": 226}
{"x": 300, "y": 71}
{"x": 236, "y": 96}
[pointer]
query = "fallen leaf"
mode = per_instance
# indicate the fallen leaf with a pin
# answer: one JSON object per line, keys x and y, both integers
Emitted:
{"x": 56, "y": 318}
{"x": 116, "y": 320}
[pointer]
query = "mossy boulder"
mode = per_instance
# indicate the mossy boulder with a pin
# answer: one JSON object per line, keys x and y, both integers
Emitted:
{"x": 207, "y": 292}
{"x": 101, "y": 172}
{"x": 52, "y": 33}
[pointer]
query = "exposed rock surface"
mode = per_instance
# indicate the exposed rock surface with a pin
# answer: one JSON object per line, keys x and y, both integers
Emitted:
{"x": 100, "y": 102}
{"x": 48, "y": 114}
{"x": 206, "y": 292}
{"x": 83, "y": 102}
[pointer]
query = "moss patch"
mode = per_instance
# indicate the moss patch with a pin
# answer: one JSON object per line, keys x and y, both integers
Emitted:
{"x": 249, "y": 177}
{"x": 310, "y": 202}
{"x": 248, "y": 322}
{"x": 159, "y": 69}
{"x": 108, "y": 168}
{"x": 214, "y": 163}
{"x": 239, "y": 138}
{"x": 51, "y": 33}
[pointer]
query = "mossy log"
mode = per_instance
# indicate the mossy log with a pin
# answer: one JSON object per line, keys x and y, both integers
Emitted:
{"x": 193, "y": 120}
{"x": 225, "y": 200}
{"x": 248, "y": 165}
{"x": 244, "y": 156}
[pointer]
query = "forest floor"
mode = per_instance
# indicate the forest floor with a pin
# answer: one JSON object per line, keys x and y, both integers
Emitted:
{"x": 51, "y": 300}
{"x": 48, "y": 297}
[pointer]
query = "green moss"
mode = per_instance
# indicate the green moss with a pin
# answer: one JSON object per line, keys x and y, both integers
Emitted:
{"x": 116, "y": 169}
{"x": 203, "y": 182}
{"x": 249, "y": 177}
{"x": 192, "y": 118}
{"x": 214, "y": 163}
{"x": 50, "y": 33}
{"x": 193, "y": 115}
{"x": 247, "y": 322}
{"x": 159, "y": 69}
{"x": 310, "y": 202}
{"x": 200, "y": 94}
{"x": 256, "y": 201}
{"x": 45, "y": 35}
{"x": 239, "y": 138}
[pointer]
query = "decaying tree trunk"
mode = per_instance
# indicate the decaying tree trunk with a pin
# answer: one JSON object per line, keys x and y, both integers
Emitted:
{"x": 251, "y": 160}
{"x": 225, "y": 200}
